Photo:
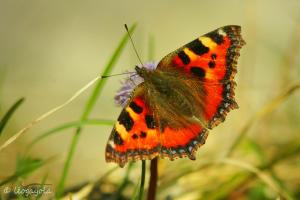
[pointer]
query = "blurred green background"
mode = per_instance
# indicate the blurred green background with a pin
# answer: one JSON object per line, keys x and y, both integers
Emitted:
{"x": 50, "y": 49}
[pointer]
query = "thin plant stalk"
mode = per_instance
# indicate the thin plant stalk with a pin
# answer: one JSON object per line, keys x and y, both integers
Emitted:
{"x": 69, "y": 125}
{"x": 153, "y": 179}
{"x": 143, "y": 175}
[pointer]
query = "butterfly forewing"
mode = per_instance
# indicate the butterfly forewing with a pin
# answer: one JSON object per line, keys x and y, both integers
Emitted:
{"x": 212, "y": 58}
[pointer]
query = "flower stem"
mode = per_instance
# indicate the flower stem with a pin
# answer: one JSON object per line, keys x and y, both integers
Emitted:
{"x": 153, "y": 179}
{"x": 141, "y": 193}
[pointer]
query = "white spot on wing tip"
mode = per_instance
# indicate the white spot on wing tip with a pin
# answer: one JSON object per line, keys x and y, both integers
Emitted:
{"x": 111, "y": 143}
{"x": 221, "y": 32}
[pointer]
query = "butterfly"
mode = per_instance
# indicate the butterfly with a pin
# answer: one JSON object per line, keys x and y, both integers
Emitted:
{"x": 190, "y": 91}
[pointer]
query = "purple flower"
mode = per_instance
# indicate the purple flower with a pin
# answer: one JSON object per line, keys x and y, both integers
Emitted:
{"x": 129, "y": 84}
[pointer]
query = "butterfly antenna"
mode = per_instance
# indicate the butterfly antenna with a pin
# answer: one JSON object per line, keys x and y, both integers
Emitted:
{"x": 106, "y": 76}
{"x": 133, "y": 44}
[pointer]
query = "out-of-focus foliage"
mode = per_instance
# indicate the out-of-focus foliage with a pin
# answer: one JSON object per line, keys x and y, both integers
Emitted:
{"x": 9, "y": 114}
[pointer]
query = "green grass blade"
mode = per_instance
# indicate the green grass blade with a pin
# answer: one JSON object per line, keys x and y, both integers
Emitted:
{"x": 68, "y": 126}
{"x": 135, "y": 192}
{"x": 142, "y": 185}
{"x": 88, "y": 108}
{"x": 24, "y": 167}
{"x": 9, "y": 113}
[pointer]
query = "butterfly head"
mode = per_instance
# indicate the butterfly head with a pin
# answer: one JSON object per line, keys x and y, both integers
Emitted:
{"x": 151, "y": 77}
{"x": 141, "y": 71}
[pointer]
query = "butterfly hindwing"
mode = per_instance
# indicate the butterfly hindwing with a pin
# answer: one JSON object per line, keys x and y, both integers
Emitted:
{"x": 212, "y": 58}
{"x": 134, "y": 136}
{"x": 182, "y": 142}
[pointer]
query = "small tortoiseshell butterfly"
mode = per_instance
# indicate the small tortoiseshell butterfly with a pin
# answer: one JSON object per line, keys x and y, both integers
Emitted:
{"x": 190, "y": 91}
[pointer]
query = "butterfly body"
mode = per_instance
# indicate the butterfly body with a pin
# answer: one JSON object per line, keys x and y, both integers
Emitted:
{"x": 190, "y": 91}
{"x": 171, "y": 94}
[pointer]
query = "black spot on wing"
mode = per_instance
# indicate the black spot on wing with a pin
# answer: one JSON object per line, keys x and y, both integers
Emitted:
{"x": 197, "y": 47}
{"x": 126, "y": 120}
{"x": 149, "y": 121}
{"x": 134, "y": 136}
{"x": 136, "y": 108}
{"x": 184, "y": 58}
{"x": 117, "y": 139}
{"x": 213, "y": 56}
{"x": 211, "y": 64}
{"x": 198, "y": 71}
{"x": 143, "y": 134}
{"x": 216, "y": 37}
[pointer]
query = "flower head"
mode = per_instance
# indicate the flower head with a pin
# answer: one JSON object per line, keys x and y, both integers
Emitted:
{"x": 128, "y": 85}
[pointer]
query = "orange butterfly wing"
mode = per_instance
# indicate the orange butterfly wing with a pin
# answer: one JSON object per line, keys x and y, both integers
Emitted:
{"x": 212, "y": 58}
{"x": 135, "y": 136}
{"x": 183, "y": 141}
